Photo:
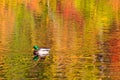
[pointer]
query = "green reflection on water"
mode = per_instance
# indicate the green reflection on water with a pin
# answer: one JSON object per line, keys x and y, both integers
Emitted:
{"x": 24, "y": 25}
{"x": 20, "y": 66}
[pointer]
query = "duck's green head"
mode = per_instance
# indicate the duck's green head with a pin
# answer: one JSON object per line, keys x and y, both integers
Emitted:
{"x": 36, "y": 47}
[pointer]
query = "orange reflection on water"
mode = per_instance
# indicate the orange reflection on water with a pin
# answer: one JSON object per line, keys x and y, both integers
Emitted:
{"x": 6, "y": 25}
{"x": 116, "y": 7}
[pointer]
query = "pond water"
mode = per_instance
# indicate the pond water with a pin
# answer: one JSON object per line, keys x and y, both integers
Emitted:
{"x": 84, "y": 38}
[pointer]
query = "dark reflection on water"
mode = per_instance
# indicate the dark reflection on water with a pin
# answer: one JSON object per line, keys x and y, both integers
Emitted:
{"x": 40, "y": 70}
{"x": 2, "y": 69}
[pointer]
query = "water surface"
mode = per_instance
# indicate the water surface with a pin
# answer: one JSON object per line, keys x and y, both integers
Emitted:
{"x": 83, "y": 37}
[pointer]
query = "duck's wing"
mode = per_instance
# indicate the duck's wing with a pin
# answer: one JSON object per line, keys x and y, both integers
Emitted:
{"x": 44, "y": 49}
{"x": 43, "y": 52}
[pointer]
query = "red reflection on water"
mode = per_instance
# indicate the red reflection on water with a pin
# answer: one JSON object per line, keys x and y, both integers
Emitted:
{"x": 69, "y": 12}
{"x": 115, "y": 55}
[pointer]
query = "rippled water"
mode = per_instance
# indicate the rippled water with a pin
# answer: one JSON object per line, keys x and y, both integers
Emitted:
{"x": 83, "y": 37}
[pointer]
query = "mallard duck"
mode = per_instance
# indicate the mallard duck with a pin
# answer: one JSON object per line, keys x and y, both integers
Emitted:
{"x": 40, "y": 52}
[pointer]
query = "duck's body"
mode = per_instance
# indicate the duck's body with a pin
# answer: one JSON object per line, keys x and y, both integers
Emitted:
{"x": 41, "y": 52}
